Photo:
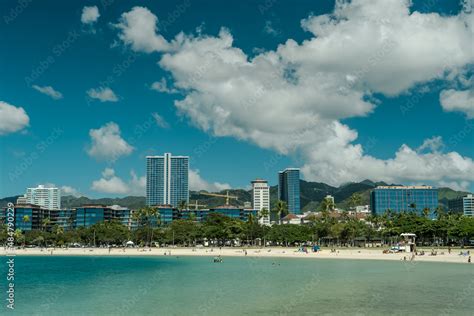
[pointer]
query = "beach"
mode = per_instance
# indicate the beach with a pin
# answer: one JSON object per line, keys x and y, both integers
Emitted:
{"x": 267, "y": 252}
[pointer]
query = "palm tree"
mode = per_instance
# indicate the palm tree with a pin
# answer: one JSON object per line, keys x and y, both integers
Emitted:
{"x": 426, "y": 212}
{"x": 327, "y": 204}
{"x": 281, "y": 209}
{"x": 439, "y": 212}
{"x": 45, "y": 223}
{"x": 58, "y": 230}
{"x": 26, "y": 219}
{"x": 19, "y": 237}
{"x": 182, "y": 205}
{"x": 355, "y": 200}
{"x": 264, "y": 213}
{"x": 146, "y": 216}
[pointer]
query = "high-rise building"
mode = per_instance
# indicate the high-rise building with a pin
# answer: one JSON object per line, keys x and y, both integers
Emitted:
{"x": 167, "y": 180}
{"x": 404, "y": 198}
{"x": 289, "y": 189}
{"x": 261, "y": 199}
{"x": 21, "y": 200}
{"x": 464, "y": 205}
{"x": 49, "y": 198}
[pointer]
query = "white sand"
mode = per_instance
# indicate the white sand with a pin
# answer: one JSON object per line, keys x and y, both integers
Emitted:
{"x": 275, "y": 252}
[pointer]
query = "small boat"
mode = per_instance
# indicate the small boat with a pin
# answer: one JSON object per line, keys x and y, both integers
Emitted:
{"x": 218, "y": 259}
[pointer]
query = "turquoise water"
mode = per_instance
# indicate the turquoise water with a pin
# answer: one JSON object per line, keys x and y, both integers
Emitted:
{"x": 238, "y": 286}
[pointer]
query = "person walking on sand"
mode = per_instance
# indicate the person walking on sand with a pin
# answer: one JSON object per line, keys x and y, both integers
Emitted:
{"x": 469, "y": 259}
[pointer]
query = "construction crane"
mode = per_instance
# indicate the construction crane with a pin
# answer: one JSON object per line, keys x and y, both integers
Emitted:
{"x": 196, "y": 205}
{"x": 226, "y": 196}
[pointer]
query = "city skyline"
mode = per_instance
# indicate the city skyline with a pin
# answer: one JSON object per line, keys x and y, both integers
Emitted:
{"x": 105, "y": 99}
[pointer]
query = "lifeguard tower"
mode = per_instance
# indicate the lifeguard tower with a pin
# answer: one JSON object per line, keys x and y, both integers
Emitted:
{"x": 409, "y": 239}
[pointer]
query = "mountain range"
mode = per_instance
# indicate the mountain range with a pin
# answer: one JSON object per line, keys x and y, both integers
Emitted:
{"x": 311, "y": 194}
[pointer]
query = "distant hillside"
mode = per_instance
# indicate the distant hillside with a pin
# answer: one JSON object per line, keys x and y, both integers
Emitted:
{"x": 133, "y": 202}
{"x": 311, "y": 195}
{"x": 446, "y": 194}
{"x": 10, "y": 199}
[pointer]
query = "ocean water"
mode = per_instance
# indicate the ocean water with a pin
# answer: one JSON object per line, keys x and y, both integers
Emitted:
{"x": 238, "y": 286}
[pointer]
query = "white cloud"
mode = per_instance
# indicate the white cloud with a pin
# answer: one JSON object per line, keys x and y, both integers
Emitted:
{"x": 196, "y": 183}
{"x": 67, "y": 190}
{"x": 107, "y": 143}
{"x": 160, "y": 121}
{"x": 139, "y": 30}
{"x": 269, "y": 29}
{"x": 102, "y": 94}
{"x": 162, "y": 86}
{"x": 112, "y": 184}
{"x": 12, "y": 118}
{"x": 434, "y": 144}
{"x": 458, "y": 186}
{"x": 49, "y": 91}
{"x": 292, "y": 99}
{"x": 90, "y": 15}
{"x": 458, "y": 100}
{"x": 137, "y": 185}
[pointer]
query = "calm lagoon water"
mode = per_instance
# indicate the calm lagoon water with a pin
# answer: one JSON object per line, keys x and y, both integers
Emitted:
{"x": 238, "y": 286}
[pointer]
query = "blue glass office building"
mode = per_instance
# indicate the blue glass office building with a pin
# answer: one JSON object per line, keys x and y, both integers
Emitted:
{"x": 167, "y": 180}
{"x": 289, "y": 189}
{"x": 404, "y": 198}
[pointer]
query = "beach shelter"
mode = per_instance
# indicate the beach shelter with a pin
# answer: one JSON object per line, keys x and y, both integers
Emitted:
{"x": 409, "y": 241}
{"x": 130, "y": 243}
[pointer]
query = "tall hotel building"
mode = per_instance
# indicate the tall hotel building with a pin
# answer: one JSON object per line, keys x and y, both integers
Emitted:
{"x": 289, "y": 189}
{"x": 403, "y": 198}
{"x": 463, "y": 205}
{"x": 167, "y": 180}
{"x": 49, "y": 198}
{"x": 261, "y": 199}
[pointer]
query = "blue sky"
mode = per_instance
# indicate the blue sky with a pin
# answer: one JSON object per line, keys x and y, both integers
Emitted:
{"x": 357, "y": 134}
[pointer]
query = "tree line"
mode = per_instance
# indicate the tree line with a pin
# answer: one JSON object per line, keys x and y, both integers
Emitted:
{"x": 220, "y": 230}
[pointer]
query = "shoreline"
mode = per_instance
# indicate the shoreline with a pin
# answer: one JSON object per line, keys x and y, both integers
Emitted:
{"x": 268, "y": 252}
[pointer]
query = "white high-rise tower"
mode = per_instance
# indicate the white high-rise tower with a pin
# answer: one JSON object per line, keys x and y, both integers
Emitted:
{"x": 49, "y": 198}
{"x": 261, "y": 199}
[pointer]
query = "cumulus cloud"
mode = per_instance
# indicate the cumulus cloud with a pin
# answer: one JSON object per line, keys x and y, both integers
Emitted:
{"x": 68, "y": 190}
{"x": 112, "y": 184}
{"x": 139, "y": 30}
{"x": 160, "y": 121}
{"x": 162, "y": 86}
{"x": 458, "y": 100}
{"x": 103, "y": 94}
{"x": 434, "y": 144}
{"x": 197, "y": 183}
{"x": 107, "y": 143}
{"x": 49, "y": 91}
{"x": 12, "y": 118}
{"x": 292, "y": 99}
{"x": 90, "y": 15}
